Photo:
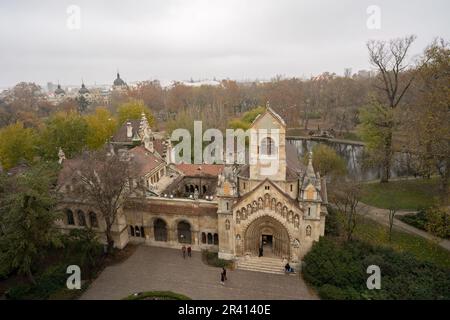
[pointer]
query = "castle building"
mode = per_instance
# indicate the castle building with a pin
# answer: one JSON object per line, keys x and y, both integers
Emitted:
{"x": 235, "y": 210}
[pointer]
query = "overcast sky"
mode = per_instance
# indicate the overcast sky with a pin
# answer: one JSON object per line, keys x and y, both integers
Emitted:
{"x": 200, "y": 39}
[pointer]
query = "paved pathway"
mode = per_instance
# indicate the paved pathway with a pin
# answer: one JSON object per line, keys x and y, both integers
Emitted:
{"x": 151, "y": 268}
{"x": 382, "y": 216}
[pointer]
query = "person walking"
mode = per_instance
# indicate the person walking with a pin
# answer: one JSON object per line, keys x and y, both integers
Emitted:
{"x": 222, "y": 278}
{"x": 189, "y": 251}
{"x": 224, "y": 272}
{"x": 183, "y": 249}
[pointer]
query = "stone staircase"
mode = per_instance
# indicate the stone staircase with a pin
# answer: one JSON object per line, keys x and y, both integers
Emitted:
{"x": 262, "y": 264}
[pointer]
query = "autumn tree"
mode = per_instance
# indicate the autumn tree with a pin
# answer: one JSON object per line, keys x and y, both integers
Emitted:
{"x": 327, "y": 161}
{"x": 133, "y": 109}
{"x": 429, "y": 116}
{"x": 395, "y": 78}
{"x": 100, "y": 127}
{"x": 67, "y": 131}
{"x": 16, "y": 143}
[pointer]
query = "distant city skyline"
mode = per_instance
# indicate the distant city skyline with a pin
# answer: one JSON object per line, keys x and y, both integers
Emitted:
{"x": 180, "y": 39}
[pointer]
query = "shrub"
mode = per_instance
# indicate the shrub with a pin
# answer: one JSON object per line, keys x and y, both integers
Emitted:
{"x": 332, "y": 227}
{"x": 212, "y": 259}
{"x": 53, "y": 279}
{"x": 157, "y": 295}
{"x": 338, "y": 271}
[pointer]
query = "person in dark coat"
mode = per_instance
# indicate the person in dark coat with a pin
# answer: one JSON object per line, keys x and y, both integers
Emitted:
{"x": 189, "y": 251}
{"x": 222, "y": 278}
{"x": 224, "y": 272}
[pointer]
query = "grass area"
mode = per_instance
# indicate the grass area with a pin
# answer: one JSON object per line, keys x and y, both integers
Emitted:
{"x": 157, "y": 295}
{"x": 404, "y": 194}
{"x": 423, "y": 249}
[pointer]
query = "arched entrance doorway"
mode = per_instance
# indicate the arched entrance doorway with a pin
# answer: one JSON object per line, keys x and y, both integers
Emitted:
{"x": 268, "y": 234}
{"x": 184, "y": 232}
{"x": 160, "y": 230}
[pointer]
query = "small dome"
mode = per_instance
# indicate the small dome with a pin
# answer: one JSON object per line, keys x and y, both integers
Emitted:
{"x": 83, "y": 89}
{"x": 59, "y": 91}
{"x": 119, "y": 82}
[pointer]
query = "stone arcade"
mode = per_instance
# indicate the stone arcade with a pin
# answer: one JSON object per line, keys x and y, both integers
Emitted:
{"x": 231, "y": 209}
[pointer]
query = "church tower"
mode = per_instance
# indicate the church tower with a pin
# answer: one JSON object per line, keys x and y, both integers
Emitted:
{"x": 268, "y": 147}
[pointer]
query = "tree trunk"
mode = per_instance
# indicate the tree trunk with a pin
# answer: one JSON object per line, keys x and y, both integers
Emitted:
{"x": 444, "y": 187}
{"x": 387, "y": 158}
{"x": 109, "y": 240}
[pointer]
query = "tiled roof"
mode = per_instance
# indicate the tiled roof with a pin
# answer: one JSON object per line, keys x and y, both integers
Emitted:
{"x": 159, "y": 147}
{"x": 143, "y": 161}
{"x": 193, "y": 170}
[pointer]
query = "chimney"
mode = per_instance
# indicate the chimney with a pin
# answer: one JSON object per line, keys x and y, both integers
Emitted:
{"x": 129, "y": 130}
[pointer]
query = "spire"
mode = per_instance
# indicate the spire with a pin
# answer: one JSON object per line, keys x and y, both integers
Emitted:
{"x": 310, "y": 169}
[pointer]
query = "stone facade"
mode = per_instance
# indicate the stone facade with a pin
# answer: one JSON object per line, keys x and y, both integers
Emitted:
{"x": 236, "y": 210}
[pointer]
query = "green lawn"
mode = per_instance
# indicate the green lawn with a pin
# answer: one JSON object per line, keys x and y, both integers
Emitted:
{"x": 404, "y": 194}
{"x": 425, "y": 250}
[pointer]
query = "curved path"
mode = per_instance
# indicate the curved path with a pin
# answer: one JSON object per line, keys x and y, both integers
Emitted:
{"x": 382, "y": 216}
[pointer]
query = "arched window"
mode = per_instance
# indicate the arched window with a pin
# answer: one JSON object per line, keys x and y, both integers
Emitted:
{"x": 191, "y": 188}
{"x": 216, "y": 239}
{"x": 142, "y": 232}
{"x": 81, "y": 218}
{"x": 186, "y": 188}
{"x": 93, "y": 220}
{"x": 160, "y": 230}
{"x": 210, "y": 238}
{"x": 70, "y": 219}
{"x": 184, "y": 232}
{"x": 137, "y": 231}
{"x": 132, "y": 231}
{"x": 308, "y": 230}
{"x": 268, "y": 146}
{"x": 203, "y": 237}
{"x": 204, "y": 189}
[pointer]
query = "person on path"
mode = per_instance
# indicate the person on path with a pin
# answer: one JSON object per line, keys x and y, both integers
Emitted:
{"x": 224, "y": 271}
{"x": 222, "y": 278}
{"x": 189, "y": 251}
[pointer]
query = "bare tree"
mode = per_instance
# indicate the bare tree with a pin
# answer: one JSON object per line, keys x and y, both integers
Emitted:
{"x": 346, "y": 196}
{"x": 105, "y": 178}
{"x": 390, "y": 60}
{"x": 392, "y": 213}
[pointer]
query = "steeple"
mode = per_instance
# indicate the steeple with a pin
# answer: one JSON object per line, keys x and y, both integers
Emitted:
{"x": 310, "y": 169}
